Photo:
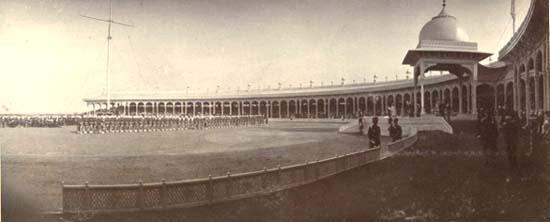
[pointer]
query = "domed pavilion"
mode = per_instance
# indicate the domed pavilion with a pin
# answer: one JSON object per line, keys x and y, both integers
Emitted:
{"x": 444, "y": 46}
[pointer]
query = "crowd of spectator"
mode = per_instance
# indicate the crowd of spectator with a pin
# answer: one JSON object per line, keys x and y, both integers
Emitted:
{"x": 526, "y": 138}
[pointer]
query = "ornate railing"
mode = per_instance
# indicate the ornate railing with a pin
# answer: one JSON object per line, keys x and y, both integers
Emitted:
{"x": 164, "y": 195}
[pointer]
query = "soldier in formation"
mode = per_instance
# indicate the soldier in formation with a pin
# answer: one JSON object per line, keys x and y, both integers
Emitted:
{"x": 116, "y": 124}
{"x": 37, "y": 121}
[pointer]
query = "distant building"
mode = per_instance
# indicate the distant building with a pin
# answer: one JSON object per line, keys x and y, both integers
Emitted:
{"x": 519, "y": 80}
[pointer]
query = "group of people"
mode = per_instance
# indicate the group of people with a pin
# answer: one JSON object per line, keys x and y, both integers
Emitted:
{"x": 117, "y": 124}
{"x": 49, "y": 121}
{"x": 373, "y": 133}
{"x": 526, "y": 139}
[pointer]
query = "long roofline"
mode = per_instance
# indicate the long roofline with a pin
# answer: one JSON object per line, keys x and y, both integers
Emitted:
{"x": 283, "y": 93}
{"x": 506, "y": 49}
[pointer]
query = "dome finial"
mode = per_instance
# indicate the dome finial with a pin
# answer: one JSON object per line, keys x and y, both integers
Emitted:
{"x": 444, "y": 3}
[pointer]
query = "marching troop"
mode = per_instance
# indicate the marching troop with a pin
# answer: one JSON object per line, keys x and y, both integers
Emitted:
{"x": 116, "y": 124}
{"x": 46, "y": 121}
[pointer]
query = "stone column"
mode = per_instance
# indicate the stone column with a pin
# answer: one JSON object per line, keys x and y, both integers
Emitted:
{"x": 460, "y": 99}
{"x": 527, "y": 94}
{"x": 308, "y": 109}
{"x": 327, "y": 107}
{"x": 270, "y": 109}
{"x": 474, "y": 89}
{"x": 316, "y": 108}
{"x": 279, "y": 115}
{"x": 374, "y": 102}
{"x": 536, "y": 89}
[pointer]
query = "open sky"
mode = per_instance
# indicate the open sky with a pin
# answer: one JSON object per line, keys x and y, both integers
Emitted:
{"x": 52, "y": 58}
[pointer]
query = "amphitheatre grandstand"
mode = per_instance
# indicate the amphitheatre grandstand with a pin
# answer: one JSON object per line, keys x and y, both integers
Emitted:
{"x": 296, "y": 154}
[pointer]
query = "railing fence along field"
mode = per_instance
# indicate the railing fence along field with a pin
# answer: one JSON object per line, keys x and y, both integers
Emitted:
{"x": 164, "y": 195}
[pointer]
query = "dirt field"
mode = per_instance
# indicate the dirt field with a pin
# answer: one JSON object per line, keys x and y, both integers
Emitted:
{"x": 441, "y": 178}
{"x": 35, "y": 161}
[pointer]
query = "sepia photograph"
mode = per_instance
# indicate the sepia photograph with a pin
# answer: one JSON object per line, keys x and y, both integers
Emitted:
{"x": 274, "y": 110}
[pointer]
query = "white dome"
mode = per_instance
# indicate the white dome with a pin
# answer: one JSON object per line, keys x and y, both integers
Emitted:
{"x": 443, "y": 27}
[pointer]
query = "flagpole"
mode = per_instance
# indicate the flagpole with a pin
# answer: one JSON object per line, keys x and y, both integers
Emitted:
{"x": 108, "y": 55}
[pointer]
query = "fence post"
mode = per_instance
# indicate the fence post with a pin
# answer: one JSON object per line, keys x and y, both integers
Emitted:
{"x": 140, "y": 195}
{"x": 87, "y": 200}
{"x": 163, "y": 194}
{"x": 228, "y": 185}
{"x": 209, "y": 188}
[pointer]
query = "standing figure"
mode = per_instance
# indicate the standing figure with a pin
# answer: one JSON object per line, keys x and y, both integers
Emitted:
{"x": 396, "y": 132}
{"x": 374, "y": 133}
{"x": 488, "y": 137}
{"x": 510, "y": 133}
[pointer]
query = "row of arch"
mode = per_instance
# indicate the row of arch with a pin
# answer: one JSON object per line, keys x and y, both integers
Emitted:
{"x": 314, "y": 107}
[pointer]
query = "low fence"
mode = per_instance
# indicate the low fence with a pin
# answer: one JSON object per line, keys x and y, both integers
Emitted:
{"x": 165, "y": 195}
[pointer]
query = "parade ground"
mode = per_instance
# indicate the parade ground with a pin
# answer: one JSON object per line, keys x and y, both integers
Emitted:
{"x": 442, "y": 177}
{"x": 37, "y": 160}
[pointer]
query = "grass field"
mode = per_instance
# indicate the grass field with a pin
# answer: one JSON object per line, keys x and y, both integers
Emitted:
{"x": 35, "y": 161}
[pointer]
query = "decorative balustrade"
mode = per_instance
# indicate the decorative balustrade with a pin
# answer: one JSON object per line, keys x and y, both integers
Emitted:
{"x": 164, "y": 195}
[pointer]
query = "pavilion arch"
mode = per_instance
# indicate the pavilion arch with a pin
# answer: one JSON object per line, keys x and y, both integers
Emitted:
{"x": 313, "y": 108}
{"x": 321, "y": 108}
{"x": 427, "y": 101}
{"x": 370, "y": 106}
{"x": 362, "y": 103}
{"x": 303, "y": 108}
{"x": 486, "y": 97}
{"x": 465, "y": 98}
{"x": 246, "y": 108}
{"x": 340, "y": 107}
{"x": 276, "y": 109}
{"x": 447, "y": 96}
{"x": 292, "y": 108}
{"x": 348, "y": 109}
{"x": 284, "y": 109}
{"x": 149, "y": 108}
{"x": 501, "y": 94}
{"x": 455, "y": 100}
{"x": 178, "y": 108}
{"x": 378, "y": 106}
{"x": 435, "y": 98}
{"x": 132, "y": 108}
{"x": 399, "y": 104}
{"x": 189, "y": 108}
{"x": 510, "y": 95}
{"x": 332, "y": 104}
{"x": 530, "y": 64}
{"x": 532, "y": 89}
{"x": 540, "y": 92}
{"x": 389, "y": 101}
{"x": 522, "y": 69}
{"x": 263, "y": 108}
{"x": 218, "y": 108}
{"x": 140, "y": 108}
{"x": 161, "y": 108}
{"x": 540, "y": 62}
{"x": 234, "y": 108}
{"x": 169, "y": 107}
{"x": 254, "y": 108}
